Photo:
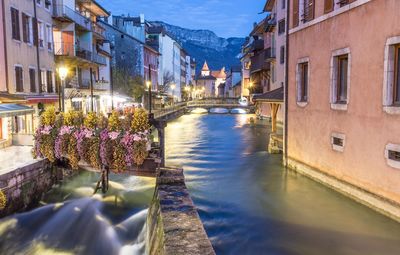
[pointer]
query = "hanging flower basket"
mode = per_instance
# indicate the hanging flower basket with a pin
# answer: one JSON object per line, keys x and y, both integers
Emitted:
{"x": 118, "y": 143}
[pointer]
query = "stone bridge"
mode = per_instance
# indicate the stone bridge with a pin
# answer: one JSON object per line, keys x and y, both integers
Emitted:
{"x": 210, "y": 105}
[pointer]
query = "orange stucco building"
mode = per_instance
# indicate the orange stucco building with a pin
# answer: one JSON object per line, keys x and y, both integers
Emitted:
{"x": 344, "y": 99}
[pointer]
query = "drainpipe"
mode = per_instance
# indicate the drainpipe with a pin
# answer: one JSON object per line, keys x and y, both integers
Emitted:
{"x": 91, "y": 91}
{"x": 286, "y": 88}
{"x": 5, "y": 42}
{"x": 37, "y": 45}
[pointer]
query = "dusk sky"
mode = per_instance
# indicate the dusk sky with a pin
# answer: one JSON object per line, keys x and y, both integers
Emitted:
{"x": 226, "y": 18}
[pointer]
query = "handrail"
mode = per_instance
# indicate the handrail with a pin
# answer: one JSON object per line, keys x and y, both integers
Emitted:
{"x": 61, "y": 10}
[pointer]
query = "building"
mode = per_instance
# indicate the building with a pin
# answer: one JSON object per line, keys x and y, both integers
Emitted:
{"x": 233, "y": 77}
{"x": 271, "y": 76}
{"x": 27, "y": 68}
{"x": 211, "y": 83}
{"x": 169, "y": 68}
{"x": 344, "y": 98}
{"x": 151, "y": 63}
{"x": 79, "y": 46}
{"x": 205, "y": 83}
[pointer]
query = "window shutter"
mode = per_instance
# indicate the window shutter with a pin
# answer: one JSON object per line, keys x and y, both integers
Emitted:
{"x": 308, "y": 10}
{"x": 16, "y": 34}
{"x": 35, "y": 31}
{"x": 24, "y": 27}
{"x": 295, "y": 13}
{"x": 329, "y": 4}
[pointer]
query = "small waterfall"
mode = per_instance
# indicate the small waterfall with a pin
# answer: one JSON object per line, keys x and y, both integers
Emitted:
{"x": 75, "y": 227}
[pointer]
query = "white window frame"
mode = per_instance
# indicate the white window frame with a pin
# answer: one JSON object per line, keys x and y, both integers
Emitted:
{"x": 43, "y": 78}
{"x": 340, "y": 136}
{"x": 44, "y": 5}
{"x": 49, "y": 36}
{"x": 298, "y": 81}
{"x": 41, "y": 33}
{"x": 333, "y": 81}
{"x": 390, "y": 162}
{"x": 388, "y": 76}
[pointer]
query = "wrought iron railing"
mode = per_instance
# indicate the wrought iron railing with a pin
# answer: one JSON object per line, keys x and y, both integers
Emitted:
{"x": 63, "y": 11}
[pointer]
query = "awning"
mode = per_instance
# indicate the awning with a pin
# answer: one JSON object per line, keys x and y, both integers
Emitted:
{"x": 10, "y": 110}
{"x": 6, "y": 98}
{"x": 273, "y": 96}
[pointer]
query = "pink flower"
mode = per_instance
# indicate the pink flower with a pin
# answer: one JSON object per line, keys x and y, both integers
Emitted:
{"x": 113, "y": 135}
{"x": 46, "y": 130}
{"x": 137, "y": 138}
{"x": 64, "y": 130}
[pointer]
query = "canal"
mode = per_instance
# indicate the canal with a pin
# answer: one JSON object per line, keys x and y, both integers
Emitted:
{"x": 250, "y": 204}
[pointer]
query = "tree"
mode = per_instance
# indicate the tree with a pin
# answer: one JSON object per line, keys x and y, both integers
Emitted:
{"x": 127, "y": 85}
{"x": 168, "y": 78}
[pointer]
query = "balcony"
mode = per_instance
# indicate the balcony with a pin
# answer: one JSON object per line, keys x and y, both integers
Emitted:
{"x": 258, "y": 62}
{"x": 63, "y": 12}
{"x": 257, "y": 45}
{"x": 98, "y": 30}
{"x": 99, "y": 59}
{"x": 102, "y": 85}
{"x": 71, "y": 50}
{"x": 271, "y": 23}
{"x": 269, "y": 54}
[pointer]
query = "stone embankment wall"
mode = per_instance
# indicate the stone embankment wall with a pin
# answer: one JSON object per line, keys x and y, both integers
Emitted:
{"x": 173, "y": 224}
{"x": 24, "y": 186}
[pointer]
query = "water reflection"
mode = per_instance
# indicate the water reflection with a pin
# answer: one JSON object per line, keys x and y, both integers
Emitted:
{"x": 72, "y": 221}
{"x": 250, "y": 205}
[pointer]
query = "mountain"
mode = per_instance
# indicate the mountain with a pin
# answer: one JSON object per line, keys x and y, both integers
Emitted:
{"x": 206, "y": 45}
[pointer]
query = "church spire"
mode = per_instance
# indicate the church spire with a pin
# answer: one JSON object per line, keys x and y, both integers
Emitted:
{"x": 205, "y": 67}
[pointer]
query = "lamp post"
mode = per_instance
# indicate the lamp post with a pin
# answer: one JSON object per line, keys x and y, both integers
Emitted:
{"x": 173, "y": 93}
{"x": 62, "y": 72}
{"x": 148, "y": 83}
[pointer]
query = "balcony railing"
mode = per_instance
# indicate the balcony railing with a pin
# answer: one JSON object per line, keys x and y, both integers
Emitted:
{"x": 258, "y": 62}
{"x": 78, "y": 50}
{"x": 269, "y": 54}
{"x": 63, "y": 11}
{"x": 98, "y": 29}
{"x": 99, "y": 59}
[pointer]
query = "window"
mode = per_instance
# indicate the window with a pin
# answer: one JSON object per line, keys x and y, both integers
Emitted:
{"x": 338, "y": 141}
{"x": 296, "y": 8}
{"x": 392, "y": 155}
{"x": 329, "y": 5}
{"x": 281, "y": 26}
{"x": 49, "y": 80}
{"x": 396, "y": 83}
{"x": 43, "y": 80}
{"x": 283, "y": 4}
{"x": 16, "y": 34}
{"x": 39, "y": 2}
{"x": 19, "y": 80}
{"x": 340, "y": 79}
{"x": 302, "y": 87}
{"x": 308, "y": 10}
{"x": 47, "y": 4}
{"x": 26, "y": 28}
{"x": 345, "y": 2}
{"x": 341, "y": 82}
{"x": 40, "y": 34}
{"x": 77, "y": 105}
{"x": 19, "y": 125}
{"x": 282, "y": 55}
{"x": 49, "y": 35}
{"x": 32, "y": 79}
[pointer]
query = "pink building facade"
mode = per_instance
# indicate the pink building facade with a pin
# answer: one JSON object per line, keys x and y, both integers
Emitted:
{"x": 343, "y": 108}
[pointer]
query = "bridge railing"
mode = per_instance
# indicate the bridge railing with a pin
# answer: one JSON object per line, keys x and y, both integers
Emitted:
{"x": 168, "y": 110}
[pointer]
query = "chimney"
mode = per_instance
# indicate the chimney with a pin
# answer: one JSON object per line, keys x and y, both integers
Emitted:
{"x": 141, "y": 18}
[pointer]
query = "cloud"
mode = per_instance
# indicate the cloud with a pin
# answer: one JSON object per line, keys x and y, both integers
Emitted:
{"x": 226, "y": 18}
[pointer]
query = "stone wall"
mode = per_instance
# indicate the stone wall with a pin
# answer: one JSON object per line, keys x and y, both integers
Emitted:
{"x": 25, "y": 186}
{"x": 173, "y": 224}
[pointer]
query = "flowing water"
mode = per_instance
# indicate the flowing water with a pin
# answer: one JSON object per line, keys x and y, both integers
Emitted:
{"x": 250, "y": 205}
{"x": 72, "y": 221}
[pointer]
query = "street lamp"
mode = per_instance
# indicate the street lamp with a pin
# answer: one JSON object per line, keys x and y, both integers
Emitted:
{"x": 173, "y": 93}
{"x": 148, "y": 84}
{"x": 62, "y": 72}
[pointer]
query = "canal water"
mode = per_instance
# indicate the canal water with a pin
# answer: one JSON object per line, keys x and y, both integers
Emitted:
{"x": 73, "y": 221}
{"x": 249, "y": 204}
